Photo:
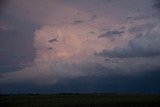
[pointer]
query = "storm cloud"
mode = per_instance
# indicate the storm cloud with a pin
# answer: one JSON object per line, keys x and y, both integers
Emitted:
{"x": 58, "y": 41}
{"x": 157, "y": 4}
{"x": 147, "y": 45}
{"x": 112, "y": 33}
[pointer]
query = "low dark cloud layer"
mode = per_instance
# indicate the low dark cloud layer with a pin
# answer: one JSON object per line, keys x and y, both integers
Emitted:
{"x": 141, "y": 46}
{"x": 146, "y": 83}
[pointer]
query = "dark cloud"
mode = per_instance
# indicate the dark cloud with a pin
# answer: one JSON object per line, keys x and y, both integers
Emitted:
{"x": 104, "y": 2}
{"x": 112, "y": 33}
{"x": 143, "y": 45}
{"x": 117, "y": 52}
{"x": 50, "y": 48}
{"x": 86, "y": 76}
{"x": 112, "y": 60}
{"x": 93, "y": 17}
{"x": 53, "y": 40}
{"x": 140, "y": 17}
{"x": 9, "y": 61}
{"x": 157, "y": 4}
{"x": 17, "y": 41}
{"x": 8, "y": 34}
{"x": 3, "y": 4}
{"x": 6, "y": 57}
{"x": 146, "y": 83}
{"x": 143, "y": 28}
{"x": 78, "y": 21}
{"x": 92, "y": 32}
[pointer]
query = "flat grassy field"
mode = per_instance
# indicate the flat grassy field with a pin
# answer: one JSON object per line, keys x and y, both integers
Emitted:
{"x": 80, "y": 100}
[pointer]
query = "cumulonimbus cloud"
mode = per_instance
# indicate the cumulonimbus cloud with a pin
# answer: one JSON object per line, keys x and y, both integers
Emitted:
{"x": 65, "y": 50}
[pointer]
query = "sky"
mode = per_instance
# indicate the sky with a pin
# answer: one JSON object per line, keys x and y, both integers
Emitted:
{"x": 85, "y": 46}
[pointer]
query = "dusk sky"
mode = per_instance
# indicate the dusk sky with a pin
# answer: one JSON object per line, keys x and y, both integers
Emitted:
{"x": 53, "y": 46}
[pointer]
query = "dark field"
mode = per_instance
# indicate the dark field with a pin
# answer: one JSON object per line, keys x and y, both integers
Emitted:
{"x": 80, "y": 100}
